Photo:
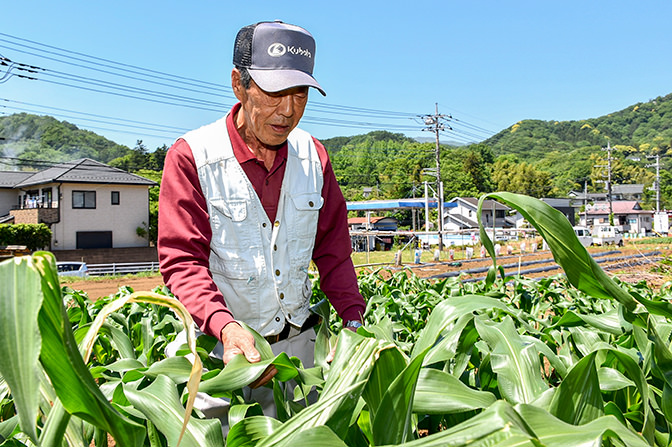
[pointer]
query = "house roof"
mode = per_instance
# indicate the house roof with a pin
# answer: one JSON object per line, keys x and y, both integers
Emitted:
{"x": 487, "y": 204}
{"x": 10, "y": 178}
{"x": 590, "y": 196}
{"x": 462, "y": 221}
{"x": 558, "y": 202}
{"x": 363, "y": 220}
{"x": 393, "y": 204}
{"x": 83, "y": 170}
{"x": 637, "y": 188}
{"x": 618, "y": 207}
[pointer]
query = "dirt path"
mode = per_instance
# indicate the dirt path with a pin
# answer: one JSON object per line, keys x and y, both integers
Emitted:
{"x": 96, "y": 288}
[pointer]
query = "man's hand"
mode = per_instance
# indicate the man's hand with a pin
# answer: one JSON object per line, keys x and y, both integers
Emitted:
{"x": 237, "y": 340}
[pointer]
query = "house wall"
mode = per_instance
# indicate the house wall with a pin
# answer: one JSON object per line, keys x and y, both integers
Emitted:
{"x": 8, "y": 200}
{"x": 122, "y": 220}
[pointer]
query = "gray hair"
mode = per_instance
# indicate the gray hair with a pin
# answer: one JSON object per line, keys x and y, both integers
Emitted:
{"x": 245, "y": 77}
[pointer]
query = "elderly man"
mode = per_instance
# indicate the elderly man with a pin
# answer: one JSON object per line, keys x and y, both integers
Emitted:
{"x": 247, "y": 202}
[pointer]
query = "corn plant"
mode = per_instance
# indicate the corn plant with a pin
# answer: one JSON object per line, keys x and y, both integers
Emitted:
{"x": 573, "y": 360}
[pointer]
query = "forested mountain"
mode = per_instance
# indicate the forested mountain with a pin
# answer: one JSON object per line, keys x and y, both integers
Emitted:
{"x": 33, "y": 137}
{"x": 532, "y": 157}
{"x": 642, "y": 126}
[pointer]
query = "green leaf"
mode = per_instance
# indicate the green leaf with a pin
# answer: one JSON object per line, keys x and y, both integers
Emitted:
{"x": 552, "y": 432}
{"x": 20, "y": 341}
{"x": 439, "y": 392}
{"x": 160, "y": 403}
{"x": 392, "y": 419}
{"x": 250, "y": 431}
{"x": 63, "y": 363}
{"x": 578, "y": 399}
{"x": 515, "y": 362}
{"x": 177, "y": 368}
{"x": 500, "y": 425}
{"x": 388, "y": 366}
{"x": 449, "y": 310}
{"x": 581, "y": 269}
{"x": 239, "y": 373}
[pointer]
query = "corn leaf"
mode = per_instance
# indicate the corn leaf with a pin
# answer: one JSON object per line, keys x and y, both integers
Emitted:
{"x": 515, "y": 362}
{"x": 20, "y": 340}
{"x": 160, "y": 403}
{"x": 581, "y": 269}
{"x": 239, "y": 373}
{"x": 63, "y": 363}
{"x": 578, "y": 399}
{"x": 449, "y": 310}
{"x": 552, "y": 432}
{"x": 389, "y": 365}
{"x": 439, "y": 392}
{"x": 161, "y": 300}
{"x": 249, "y": 431}
{"x": 499, "y": 425}
{"x": 392, "y": 419}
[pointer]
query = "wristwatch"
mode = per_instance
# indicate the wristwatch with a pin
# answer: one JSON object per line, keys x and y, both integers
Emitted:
{"x": 353, "y": 324}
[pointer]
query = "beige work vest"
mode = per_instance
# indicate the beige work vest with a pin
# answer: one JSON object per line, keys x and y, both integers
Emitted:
{"x": 261, "y": 267}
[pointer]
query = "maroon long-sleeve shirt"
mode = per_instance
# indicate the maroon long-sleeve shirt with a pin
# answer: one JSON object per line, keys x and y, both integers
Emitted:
{"x": 185, "y": 232}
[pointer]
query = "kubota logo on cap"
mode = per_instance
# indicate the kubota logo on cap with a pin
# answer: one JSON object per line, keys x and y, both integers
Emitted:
{"x": 277, "y": 49}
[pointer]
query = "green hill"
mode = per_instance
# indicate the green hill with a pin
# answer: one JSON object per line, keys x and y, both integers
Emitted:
{"x": 34, "y": 137}
{"x": 643, "y": 127}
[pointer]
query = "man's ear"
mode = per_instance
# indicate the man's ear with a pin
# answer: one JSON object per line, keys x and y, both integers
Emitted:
{"x": 236, "y": 84}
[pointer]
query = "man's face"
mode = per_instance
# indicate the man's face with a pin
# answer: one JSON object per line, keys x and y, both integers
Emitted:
{"x": 268, "y": 118}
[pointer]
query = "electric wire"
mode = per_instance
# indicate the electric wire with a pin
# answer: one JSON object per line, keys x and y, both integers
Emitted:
{"x": 468, "y": 134}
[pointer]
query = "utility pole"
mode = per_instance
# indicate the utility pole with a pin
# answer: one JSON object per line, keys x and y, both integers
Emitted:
{"x": 436, "y": 123}
{"x": 656, "y": 184}
{"x": 608, "y": 181}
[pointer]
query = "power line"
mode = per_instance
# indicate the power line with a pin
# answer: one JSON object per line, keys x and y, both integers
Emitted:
{"x": 372, "y": 118}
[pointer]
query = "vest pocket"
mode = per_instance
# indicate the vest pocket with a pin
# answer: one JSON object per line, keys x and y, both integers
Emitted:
{"x": 236, "y": 210}
{"x": 310, "y": 201}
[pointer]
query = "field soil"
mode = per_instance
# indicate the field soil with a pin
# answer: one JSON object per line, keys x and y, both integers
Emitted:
{"x": 632, "y": 263}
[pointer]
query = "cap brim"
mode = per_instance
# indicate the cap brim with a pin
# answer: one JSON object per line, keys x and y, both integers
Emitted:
{"x": 277, "y": 80}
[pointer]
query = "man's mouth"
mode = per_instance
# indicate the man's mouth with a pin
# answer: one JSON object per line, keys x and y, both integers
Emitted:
{"x": 279, "y": 128}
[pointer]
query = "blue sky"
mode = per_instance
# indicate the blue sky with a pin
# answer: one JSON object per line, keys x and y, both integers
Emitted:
{"x": 488, "y": 64}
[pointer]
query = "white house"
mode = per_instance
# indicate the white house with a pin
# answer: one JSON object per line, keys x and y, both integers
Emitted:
{"x": 87, "y": 204}
{"x": 628, "y": 216}
{"x": 464, "y": 215}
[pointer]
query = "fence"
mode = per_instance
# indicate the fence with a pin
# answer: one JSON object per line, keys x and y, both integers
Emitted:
{"x": 122, "y": 268}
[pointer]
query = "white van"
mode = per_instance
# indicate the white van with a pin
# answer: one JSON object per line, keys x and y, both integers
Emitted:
{"x": 607, "y": 235}
{"x": 583, "y": 235}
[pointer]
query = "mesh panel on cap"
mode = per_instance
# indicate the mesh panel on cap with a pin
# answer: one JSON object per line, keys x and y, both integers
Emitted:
{"x": 242, "y": 52}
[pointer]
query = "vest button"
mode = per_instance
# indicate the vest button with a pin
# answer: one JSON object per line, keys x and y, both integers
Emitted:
{"x": 282, "y": 296}
{"x": 277, "y": 318}
{"x": 277, "y": 273}
{"x": 277, "y": 223}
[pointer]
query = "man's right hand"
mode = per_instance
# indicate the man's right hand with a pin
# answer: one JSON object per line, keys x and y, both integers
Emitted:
{"x": 237, "y": 340}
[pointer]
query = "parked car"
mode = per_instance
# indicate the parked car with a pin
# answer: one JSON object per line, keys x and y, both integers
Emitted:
{"x": 583, "y": 235}
{"x": 73, "y": 269}
{"x": 607, "y": 235}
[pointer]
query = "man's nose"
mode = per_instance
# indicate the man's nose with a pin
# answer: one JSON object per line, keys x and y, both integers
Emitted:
{"x": 286, "y": 106}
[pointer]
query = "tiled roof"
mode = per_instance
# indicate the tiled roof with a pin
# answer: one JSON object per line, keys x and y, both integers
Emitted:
{"x": 10, "y": 178}
{"x": 83, "y": 170}
{"x": 618, "y": 207}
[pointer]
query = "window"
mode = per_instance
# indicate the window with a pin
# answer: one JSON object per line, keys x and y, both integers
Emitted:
{"x": 84, "y": 199}
{"x": 115, "y": 197}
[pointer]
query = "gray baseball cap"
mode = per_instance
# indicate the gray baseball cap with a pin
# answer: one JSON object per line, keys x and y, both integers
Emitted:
{"x": 277, "y": 55}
